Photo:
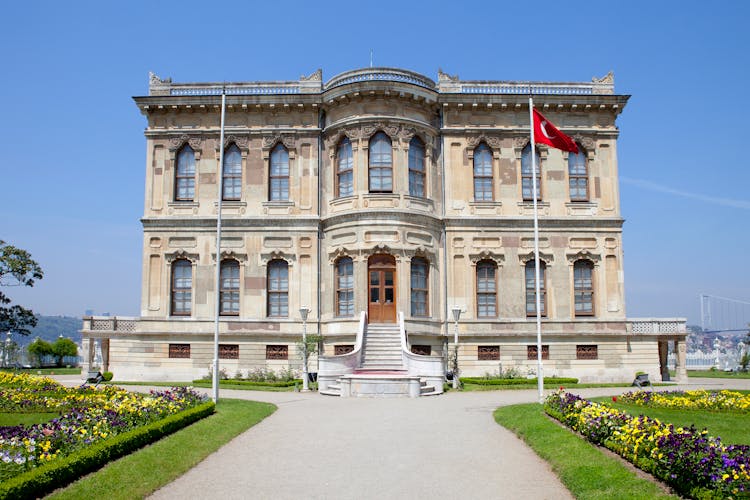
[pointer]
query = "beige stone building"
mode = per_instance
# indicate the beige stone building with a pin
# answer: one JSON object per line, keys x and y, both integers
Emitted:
{"x": 378, "y": 198}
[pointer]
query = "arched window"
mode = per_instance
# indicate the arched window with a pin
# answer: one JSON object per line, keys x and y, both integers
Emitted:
{"x": 380, "y": 168}
{"x": 277, "y": 287}
{"x": 420, "y": 284}
{"x": 527, "y": 174}
{"x": 184, "y": 179}
{"x": 483, "y": 173}
{"x": 583, "y": 287}
{"x": 279, "y": 181}
{"x": 232, "y": 182}
{"x": 182, "y": 287}
{"x": 486, "y": 289}
{"x": 229, "y": 280}
{"x": 344, "y": 287}
{"x": 416, "y": 167}
{"x": 578, "y": 175}
{"x": 344, "y": 169}
{"x": 531, "y": 289}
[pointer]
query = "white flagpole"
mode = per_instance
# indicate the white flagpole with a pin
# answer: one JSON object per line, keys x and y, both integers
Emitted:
{"x": 539, "y": 370}
{"x": 220, "y": 188}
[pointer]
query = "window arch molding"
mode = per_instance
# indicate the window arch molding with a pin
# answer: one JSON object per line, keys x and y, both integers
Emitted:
{"x": 487, "y": 255}
{"x": 268, "y": 257}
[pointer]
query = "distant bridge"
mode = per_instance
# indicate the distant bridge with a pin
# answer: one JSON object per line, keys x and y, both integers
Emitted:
{"x": 724, "y": 315}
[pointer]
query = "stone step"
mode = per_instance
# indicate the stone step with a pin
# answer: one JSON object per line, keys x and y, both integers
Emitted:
{"x": 329, "y": 392}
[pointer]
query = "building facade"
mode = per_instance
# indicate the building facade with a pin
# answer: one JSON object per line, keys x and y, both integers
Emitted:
{"x": 380, "y": 197}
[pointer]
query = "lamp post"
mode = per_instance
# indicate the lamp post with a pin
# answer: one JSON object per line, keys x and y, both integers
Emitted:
{"x": 304, "y": 311}
{"x": 456, "y": 316}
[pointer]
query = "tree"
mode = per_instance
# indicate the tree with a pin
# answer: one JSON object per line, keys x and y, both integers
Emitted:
{"x": 17, "y": 268}
{"x": 38, "y": 349}
{"x": 63, "y": 347}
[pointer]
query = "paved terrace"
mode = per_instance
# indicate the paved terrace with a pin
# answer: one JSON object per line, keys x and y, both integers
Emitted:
{"x": 355, "y": 448}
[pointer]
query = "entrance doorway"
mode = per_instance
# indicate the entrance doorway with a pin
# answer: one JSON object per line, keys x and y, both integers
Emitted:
{"x": 381, "y": 270}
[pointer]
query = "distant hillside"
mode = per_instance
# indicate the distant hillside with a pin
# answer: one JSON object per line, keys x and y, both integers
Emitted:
{"x": 50, "y": 327}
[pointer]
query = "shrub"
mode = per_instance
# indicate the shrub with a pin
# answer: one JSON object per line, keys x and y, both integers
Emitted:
{"x": 518, "y": 381}
{"x": 107, "y": 376}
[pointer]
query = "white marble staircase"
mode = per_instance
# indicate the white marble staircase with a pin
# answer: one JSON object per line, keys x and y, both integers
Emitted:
{"x": 381, "y": 371}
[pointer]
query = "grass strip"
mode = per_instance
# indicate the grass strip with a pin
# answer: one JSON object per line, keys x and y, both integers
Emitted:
{"x": 467, "y": 386}
{"x": 45, "y": 371}
{"x": 143, "y": 472}
{"x": 717, "y": 374}
{"x": 224, "y": 384}
{"x": 584, "y": 469}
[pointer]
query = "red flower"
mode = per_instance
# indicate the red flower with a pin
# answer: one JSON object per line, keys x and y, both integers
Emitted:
{"x": 562, "y": 388}
{"x": 614, "y": 398}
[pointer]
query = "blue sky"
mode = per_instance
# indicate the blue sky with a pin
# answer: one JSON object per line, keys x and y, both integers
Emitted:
{"x": 73, "y": 151}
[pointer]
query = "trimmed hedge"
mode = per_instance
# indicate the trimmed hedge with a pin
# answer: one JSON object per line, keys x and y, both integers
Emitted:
{"x": 517, "y": 381}
{"x": 44, "y": 479}
{"x": 277, "y": 383}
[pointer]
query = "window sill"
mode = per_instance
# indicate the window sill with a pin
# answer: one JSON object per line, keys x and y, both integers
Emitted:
{"x": 278, "y": 203}
{"x": 183, "y": 204}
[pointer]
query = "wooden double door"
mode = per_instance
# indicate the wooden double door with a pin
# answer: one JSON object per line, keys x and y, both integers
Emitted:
{"x": 381, "y": 271}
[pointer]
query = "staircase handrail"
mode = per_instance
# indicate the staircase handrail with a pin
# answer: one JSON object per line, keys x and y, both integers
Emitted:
{"x": 418, "y": 364}
{"x": 343, "y": 364}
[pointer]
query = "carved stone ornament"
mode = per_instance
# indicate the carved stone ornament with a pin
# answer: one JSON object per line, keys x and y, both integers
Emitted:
{"x": 585, "y": 141}
{"x": 583, "y": 255}
{"x": 445, "y": 77}
{"x": 492, "y": 141}
{"x": 389, "y": 129}
{"x": 332, "y": 141}
{"x": 289, "y": 141}
{"x": 231, "y": 255}
{"x": 176, "y": 143}
{"x": 266, "y": 257}
{"x": 317, "y": 76}
{"x": 240, "y": 140}
{"x": 181, "y": 254}
{"x": 425, "y": 253}
{"x": 547, "y": 258}
{"x": 497, "y": 258}
{"x": 608, "y": 79}
{"x": 154, "y": 80}
{"x": 339, "y": 253}
{"x": 520, "y": 142}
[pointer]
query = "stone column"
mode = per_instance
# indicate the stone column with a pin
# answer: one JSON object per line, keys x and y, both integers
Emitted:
{"x": 680, "y": 347}
{"x": 663, "y": 364}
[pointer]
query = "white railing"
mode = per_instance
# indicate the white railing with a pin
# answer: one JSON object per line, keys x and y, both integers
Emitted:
{"x": 123, "y": 324}
{"x": 380, "y": 74}
{"x": 418, "y": 364}
{"x": 657, "y": 326}
{"x": 343, "y": 364}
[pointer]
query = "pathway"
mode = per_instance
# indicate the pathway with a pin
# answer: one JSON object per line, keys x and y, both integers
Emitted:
{"x": 355, "y": 448}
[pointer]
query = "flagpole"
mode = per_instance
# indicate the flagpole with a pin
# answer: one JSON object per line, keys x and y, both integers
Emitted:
{"x": 539, "y": 368}
{"x": 220, "y": 184}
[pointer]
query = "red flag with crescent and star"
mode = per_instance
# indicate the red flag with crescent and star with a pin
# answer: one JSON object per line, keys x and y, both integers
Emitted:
{"x": 546, "y": 133}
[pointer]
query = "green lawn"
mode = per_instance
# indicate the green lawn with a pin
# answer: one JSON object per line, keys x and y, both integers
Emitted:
{"x": 585, "y": 470}
{"x": 11, "y": 419}
{"x": 476, "y": 387}
{"x": 143, "y": 472}
{"x": 717, "y": 374}
{"x": 46, "y": 371}
{"x": 732, "y": 427}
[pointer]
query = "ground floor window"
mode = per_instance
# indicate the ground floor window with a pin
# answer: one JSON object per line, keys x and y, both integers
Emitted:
{"x": 179, "y": 351}
{"x": 277, "y": 352}
{"x": 587, "y": 352}
{"x": 488, "y": 353}
{"x": 338, "y": 350}
{"x": 423, "y": 350}
{"x": 229, "y": 351}
{"x": 531, "y": 352}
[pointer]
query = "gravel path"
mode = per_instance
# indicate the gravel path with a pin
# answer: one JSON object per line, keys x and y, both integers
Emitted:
{"x": 436, "y": 447}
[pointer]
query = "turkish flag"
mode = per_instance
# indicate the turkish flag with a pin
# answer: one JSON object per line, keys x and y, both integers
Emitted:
{"x": 546, "y": 133}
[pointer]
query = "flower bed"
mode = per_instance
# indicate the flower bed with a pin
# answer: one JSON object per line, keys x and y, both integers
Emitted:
{"x": 691, "y": 400}
{"x": 87, "y": 416}
{"x": 692, "y": 462}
